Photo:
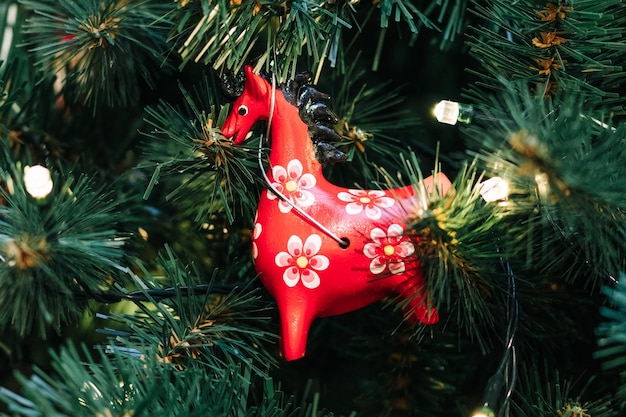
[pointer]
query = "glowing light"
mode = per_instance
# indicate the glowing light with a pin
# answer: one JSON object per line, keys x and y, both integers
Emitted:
{"x": 483, "y": 412}
{"x": 451, "y": 112}
{"x": 494, "y": 189}
{"x": 38, "y": 181}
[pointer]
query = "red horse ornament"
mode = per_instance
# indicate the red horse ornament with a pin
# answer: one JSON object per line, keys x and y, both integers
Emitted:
{"x": 321, "y": 249}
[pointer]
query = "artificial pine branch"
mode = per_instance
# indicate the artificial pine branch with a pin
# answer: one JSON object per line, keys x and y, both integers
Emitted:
{"x": 461, "y": 255}
{"x": 188, "y": 141}
{"x": 554, "y": 46}
{"x": 98, "y": 51}
{"x": 564, "y": 161}
{"x": 544, "y": 392}
{"x": 372, "y": 120}
{"x": 611, "y": 332}
{"x": 51, "y": 249}
{"x": 208, "y": 331}
{"x": 85, "y": 384}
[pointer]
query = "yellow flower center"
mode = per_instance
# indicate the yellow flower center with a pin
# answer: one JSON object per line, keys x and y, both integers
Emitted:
{"x": 365, "y": 200}
{"x": 302, "y": 262}
{"x": 389, "y": 250}
{"x": 291, "y": 185}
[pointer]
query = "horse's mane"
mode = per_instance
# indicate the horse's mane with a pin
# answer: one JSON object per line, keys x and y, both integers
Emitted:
{"x": 312, "y": 107}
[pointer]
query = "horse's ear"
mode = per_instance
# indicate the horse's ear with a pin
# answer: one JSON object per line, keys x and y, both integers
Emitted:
{"x": 255, "y": 84}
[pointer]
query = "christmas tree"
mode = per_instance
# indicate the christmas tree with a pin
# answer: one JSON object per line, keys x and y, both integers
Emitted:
{"x": 129, "y": 258}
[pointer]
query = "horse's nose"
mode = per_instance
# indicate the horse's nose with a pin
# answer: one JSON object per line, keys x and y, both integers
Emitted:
{"x": 228, "y": 129}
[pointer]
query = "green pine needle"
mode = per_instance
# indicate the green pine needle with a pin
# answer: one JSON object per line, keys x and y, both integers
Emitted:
{"x": 612, "y": 332}
{"x": 98, "y": 50}
{"x": 543, "y": 392}
{"x": 372, "y": 119}
{"x": 210, "y": 332}
{"x": 88, "y": 384}
{"x": 54, "y": 250}
{"x": 205, "y": 173}
{"x": 566, "y": 162}
{"x": 461, "y": 255}
{"x": 552, "y": 46}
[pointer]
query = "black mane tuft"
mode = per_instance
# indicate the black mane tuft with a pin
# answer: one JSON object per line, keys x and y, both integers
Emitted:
{"x": 314, "y": 111}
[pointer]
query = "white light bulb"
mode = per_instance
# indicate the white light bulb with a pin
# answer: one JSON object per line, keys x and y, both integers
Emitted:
{"x": 451, "y": 112}
{"x": 38, "y": 181}
{"x": 447, "y": 112}
{"x": 494, "y": 189}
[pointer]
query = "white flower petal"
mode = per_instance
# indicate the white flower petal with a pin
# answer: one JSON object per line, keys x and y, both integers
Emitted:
{"x": 291, "y": 276}
{"x": 294, "y": 246}
{"x": 319, "y": 262}
{"x": 258, "y": 228}
{"x": 396, "y": 267}
{"x": 307, "y": 181}
{"x": 283, "y": 259}
{"x": 376, "y": 267}
{"x": 310, "y": 279}
{"x": 312, "y": 245}
{"x": 374, "y": 194}
{"x": 284, "y": 207}
{"x": 395, "y": 230}
{"x": 305, "y": 199}
{"x": 372, "y": 212}
{"x": 279, "y": 173}
{"x": 354, "y": 208}
{"x": 377, "y": 233}
{"x": 384, "y": 202}
{"x": 369, "y": 250}
{"x": 294, "y": 169}
{"x": 404, "y": 249}
{"x": 270, "y": 195}
{"x": 347, "y": 197}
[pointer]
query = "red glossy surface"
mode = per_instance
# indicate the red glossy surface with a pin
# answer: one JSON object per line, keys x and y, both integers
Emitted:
{"x": 303, "y": 266}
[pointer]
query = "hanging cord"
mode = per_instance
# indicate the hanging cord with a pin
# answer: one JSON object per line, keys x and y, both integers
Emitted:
{"x": 160, "y": 294}
{"x": 506, "y": 374}
{"x": 342, "y": 241}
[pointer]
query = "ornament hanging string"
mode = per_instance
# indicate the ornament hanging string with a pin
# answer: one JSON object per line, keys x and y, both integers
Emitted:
{"x": 343, "y": 242}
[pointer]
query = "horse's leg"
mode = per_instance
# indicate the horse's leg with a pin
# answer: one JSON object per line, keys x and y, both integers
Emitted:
{"x": 296, "y": 316}
{"x": 418, "y": 308}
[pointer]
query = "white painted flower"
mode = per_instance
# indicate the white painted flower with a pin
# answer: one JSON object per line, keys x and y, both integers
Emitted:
{"x": 293, "y": 184}
{"x": 256, "y": 232}
{"x": 387, "y": 250}
{"x": 372, "y": 201}
{"x": 301, "y": 261}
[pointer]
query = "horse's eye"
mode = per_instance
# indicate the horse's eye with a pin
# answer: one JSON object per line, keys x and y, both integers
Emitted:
{"x": 243, "y": 110}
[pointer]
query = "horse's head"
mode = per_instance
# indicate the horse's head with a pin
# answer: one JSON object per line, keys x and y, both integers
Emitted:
{"x": 253, "y": 105}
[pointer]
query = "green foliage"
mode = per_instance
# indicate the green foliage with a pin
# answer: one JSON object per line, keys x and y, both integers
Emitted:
{"x": 612, "y": 332}
{"x": 548, "y": 102}
{"x": 553, "y": 46}
{"x": 101, "y": 385}
{"x": 282, "y": 34}
{"x": 371, "y": 120}
{"x": 190, "y": 153}
{"x": 541, "y": 392}
{"x": 99, "y": 50}
{"x": 462, "y": 257}
{"x": 55, "y": 249}
{"x": 562, "y": 160}
{"x": 208, "y": 331}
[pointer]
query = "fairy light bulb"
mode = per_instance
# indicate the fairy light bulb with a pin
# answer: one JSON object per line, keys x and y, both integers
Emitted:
{"x": 38, "y": 181}
{"x": 484, "y": 412}
{"x": 451, "y": 112}
{"x": 494, "y": 189}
